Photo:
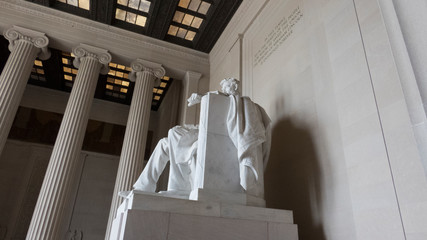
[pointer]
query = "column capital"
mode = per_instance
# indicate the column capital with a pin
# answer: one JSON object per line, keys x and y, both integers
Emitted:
{"x": 140, "y": 65}
{"x": 84, "y": 50}
{"x": 38, "y": 39}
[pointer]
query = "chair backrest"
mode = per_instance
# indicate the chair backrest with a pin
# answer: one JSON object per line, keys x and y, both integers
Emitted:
{"x": 217, "y": 163}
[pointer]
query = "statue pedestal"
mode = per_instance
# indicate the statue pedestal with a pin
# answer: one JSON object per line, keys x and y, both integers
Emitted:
{"x": 226, "y": 197}
{"x": 152, "y": 216}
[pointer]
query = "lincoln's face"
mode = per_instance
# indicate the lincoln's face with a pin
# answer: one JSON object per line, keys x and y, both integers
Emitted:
{"x": 229, "y": 86}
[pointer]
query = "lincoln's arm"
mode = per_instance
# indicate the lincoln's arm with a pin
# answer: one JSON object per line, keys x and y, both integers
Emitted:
{"x": 196, "y": 98}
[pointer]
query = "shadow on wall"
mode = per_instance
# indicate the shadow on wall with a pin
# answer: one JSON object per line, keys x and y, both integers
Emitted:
{"x": 293, "y": 178}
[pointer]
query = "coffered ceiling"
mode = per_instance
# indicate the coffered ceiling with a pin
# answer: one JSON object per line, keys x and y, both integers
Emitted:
{"x": 195, "y": 24}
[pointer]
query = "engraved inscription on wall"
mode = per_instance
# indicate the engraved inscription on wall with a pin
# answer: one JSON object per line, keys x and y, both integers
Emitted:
{"x": 280, "y": 33}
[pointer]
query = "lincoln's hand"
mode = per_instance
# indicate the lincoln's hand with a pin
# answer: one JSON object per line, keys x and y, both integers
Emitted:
{"x": 194, "y": 99}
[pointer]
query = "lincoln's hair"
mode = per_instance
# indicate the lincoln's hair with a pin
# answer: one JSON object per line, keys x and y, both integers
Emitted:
{"x": 230, "y": 86}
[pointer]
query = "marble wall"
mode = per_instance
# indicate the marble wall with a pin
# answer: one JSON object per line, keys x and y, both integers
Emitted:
{"x": 22, "y": 169}
{"x": 230, "y": 67}
{"x": 21, "y": 175}
{"x": 93, "y": 197}
{"x": 344, "y": 156}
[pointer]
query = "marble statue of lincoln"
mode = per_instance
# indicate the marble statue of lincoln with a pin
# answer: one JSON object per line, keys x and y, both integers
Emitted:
{"x": 249, "y": 129}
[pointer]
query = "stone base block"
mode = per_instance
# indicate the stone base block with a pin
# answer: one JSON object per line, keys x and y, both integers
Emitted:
{"x": 150, "y": 216}
{"x": 225, "y": 197}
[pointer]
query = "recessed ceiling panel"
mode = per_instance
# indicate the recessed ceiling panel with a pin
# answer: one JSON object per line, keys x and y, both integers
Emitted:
{"x": 195, "y": 24}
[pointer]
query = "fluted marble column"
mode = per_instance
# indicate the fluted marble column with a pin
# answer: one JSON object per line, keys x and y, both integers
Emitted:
{"x": 144, "y": 74}
{"x": 47, "y": 221}
{"x": 189, "y": 115}
{"x": 25, "y": 45}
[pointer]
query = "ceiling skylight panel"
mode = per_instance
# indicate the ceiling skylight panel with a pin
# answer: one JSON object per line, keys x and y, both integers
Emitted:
{"x": 189, "y": 14}
{"x": 199, "y": 6}
{"x": 187, "y": 20}
{"x": 184, "y": 3}
{"x": 194, "y": 5}
{"x": 160, "y": 92}
{"x": 37, "y": 72}
{"x": 117, "y": 81}
{"x": 133, "y": 11}
{"x": 144, "y": 6}
{"x": 68, "y": 70}
{"x": 141, "y": 5}
{"x": 196, "y": 22}
{"x": 83, "y": 4}
{"x": 190, "y": 35}
{"x": 204, "y": 8}
{"x": 173, "y": 30}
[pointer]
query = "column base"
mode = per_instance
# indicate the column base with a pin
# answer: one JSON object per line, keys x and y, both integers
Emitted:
{"x": 151, "y": 216}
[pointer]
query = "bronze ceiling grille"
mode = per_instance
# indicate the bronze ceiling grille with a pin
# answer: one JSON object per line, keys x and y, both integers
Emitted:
{"x": 195, "y": 24}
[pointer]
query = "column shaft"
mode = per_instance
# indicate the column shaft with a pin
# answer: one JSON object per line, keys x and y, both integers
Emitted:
{"x": 189, "y": 115}
{"x": 133, "y": 148}
{"x": 24, "y": 45}
{"x": 132, "y": 156}
{"x": 47, "y": 221}
{"x": 12, "y": 84}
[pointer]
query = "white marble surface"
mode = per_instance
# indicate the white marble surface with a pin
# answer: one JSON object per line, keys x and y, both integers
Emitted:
{"x": 144, "y": 73}
{"x": 190, "y": 85}
{"x": 157, "y": 217}
{"x": 233, "y": 145}
{"x": 48, "y": 217}
{"x": 280, "y": 231}
{"x": 146, "y": 225}
{"x": 405, "y": 148}
{"x": 19, "y": 175}
{"x": 93, "y": 196}
{"x": 179, "y": 150}
{"x": 22, "y": 166}
{"x": 159, "y": 225}
{"x": 25, "y": 45}
{"x": 227, "y": 67}
{"x": 256, "y": 213}
{"x": 226, "y": 197}
{"x": 156, "y": 202}
{"x": 217, "y": 164}
{"x": 344, "y": 118}
{"x": 199, "y": 227}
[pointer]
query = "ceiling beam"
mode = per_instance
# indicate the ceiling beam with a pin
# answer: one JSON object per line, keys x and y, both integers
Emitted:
{"x": 103, "y": 10}
{"x": 163, "y": 18}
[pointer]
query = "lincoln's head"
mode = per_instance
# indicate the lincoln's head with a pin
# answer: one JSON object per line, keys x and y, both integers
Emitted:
{"x": 229, "y": 86}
